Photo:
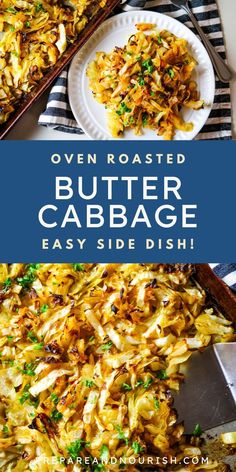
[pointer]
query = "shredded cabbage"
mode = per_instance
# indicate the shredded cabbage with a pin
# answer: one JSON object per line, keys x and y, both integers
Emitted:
{"x": 33, "y": 36}
{"x": 89, "y": 354}
{"x": 146, "y": 83}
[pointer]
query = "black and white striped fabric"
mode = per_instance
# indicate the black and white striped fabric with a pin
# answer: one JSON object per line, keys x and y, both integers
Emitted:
{"x": 226, "y": 272}
{"x": 58, "y": 114}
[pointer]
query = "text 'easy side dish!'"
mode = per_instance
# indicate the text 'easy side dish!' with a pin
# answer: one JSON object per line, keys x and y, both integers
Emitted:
{"x": 33, "y": 36}
{"x": 146, "y": 83}
{"x": 89, "y": 356}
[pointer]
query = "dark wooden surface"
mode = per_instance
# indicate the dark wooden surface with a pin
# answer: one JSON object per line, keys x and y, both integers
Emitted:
{"x": 217, "y": 289}
{"x": 58, "y": 68}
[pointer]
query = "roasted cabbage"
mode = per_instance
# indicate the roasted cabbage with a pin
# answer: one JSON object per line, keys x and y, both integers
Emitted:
{"x": 146, "y": 83}
{"x": 89, "y": 356}
{"x": 33, "y": 36}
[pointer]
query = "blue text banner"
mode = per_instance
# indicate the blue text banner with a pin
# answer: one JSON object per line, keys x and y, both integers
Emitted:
{"x": 117, "y": 201}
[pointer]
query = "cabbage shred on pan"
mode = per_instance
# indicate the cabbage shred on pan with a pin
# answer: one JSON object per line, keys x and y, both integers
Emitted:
{"x": 146, "y": 83}
{"x": 33, "y": 36}
{"x": 89, "y": 354}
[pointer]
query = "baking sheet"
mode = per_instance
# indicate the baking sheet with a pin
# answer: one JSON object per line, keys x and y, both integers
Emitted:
{"x": 225, "y": 299}
{"x": 61, "y": 64}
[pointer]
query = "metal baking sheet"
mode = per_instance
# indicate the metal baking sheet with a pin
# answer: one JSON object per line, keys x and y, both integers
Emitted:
{"x": 225, "y": 300}
{"x": 47, "y": 80}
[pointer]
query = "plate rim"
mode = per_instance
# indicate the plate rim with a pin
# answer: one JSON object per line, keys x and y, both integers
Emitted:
{"x": 81, "y": 53}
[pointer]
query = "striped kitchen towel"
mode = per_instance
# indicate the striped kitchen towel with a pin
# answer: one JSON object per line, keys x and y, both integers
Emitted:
{"x": 58, "y": 114}
{"x": 227, "y": 272}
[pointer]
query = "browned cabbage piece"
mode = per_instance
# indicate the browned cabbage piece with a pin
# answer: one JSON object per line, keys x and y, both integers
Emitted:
{"x": 89, "y": 354}
{"x": 33, "y": 36}
{"x": 146, "y": 83}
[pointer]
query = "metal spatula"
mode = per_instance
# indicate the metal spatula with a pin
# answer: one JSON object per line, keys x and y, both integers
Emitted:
{"x": 208, "y": 395}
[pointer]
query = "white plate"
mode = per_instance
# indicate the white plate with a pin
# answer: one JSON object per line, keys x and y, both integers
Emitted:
{"x": 91, "y": 116}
